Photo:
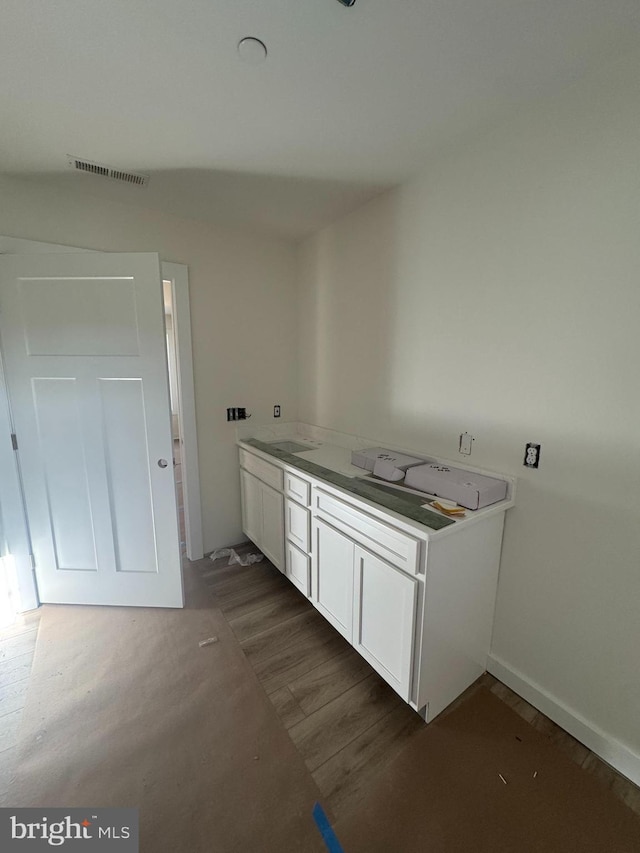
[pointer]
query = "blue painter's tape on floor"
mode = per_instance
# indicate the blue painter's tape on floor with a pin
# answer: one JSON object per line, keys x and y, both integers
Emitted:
{"x": 328, "y": 835}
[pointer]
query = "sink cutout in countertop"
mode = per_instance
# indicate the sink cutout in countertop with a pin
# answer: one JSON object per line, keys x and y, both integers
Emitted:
{"x": 331, "y": 456}
{"x": 331, "y": 463}
{"x": 288, "y": 446}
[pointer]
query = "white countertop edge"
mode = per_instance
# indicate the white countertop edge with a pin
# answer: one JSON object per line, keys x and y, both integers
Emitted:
{"x": 472, "y": 517}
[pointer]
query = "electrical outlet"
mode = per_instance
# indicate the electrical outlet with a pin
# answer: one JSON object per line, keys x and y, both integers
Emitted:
{"x": 237, "y": 413}
{"x": 466, "y": 441}
{"x": 531, "y": 455}
{"x": 276, "y": 411}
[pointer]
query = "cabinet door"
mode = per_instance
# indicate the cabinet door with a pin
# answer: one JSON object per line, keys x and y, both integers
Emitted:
{"x": 272, "y": 526}
{"x": 251, "y": 490}
{"x": 384, "y": 618}
{"x": 333, "y": 556}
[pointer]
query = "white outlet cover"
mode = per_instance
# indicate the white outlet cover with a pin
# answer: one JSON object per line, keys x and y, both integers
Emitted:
{"x": 466, "y": 440}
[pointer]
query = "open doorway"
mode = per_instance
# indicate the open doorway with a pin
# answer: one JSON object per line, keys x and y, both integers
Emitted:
{"x": 174, "y": 397}
{"x": 183, "y": 412}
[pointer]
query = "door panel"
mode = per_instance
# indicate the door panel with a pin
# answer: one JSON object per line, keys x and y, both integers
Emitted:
{"x": 60, "y": 445}
{"x": 79, "y": 316}
{"x": 84, "y": 347}
{"x": 128, "y": 474}
{"x": 251, "y": 507}
{"x": 385, "y": 604}
{"x": 333, "y": 577}
{"x": 273, "y": 526}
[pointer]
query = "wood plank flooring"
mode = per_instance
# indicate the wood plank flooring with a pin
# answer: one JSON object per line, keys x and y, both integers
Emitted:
{"x": 346, "y": 721}
{"x": 326, "y": 695}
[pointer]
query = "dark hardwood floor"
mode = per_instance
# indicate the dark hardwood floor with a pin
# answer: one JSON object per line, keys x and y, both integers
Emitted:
{"x": 346, "y": 721}
{"x": 340, "y": 714}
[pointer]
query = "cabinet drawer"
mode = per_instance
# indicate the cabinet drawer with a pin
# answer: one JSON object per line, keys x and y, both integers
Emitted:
{"x": 299, "y": 569}
{"x": 297, "y": 525}
{"x": 269, "y": 474}
{"x": 398, "y": 548}
{"x": 297, "y": 488}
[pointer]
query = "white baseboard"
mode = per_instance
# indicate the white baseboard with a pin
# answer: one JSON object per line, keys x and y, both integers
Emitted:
{"x": 615, "y": 753}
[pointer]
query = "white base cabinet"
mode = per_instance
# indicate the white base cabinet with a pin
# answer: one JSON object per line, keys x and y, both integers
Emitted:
{"x": 263, "y": 517}
{"x": 369, "y": 601}
{"x": 415, "y": 603}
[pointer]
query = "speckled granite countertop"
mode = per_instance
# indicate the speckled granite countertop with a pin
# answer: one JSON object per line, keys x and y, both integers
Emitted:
{"x": 404, "y": 504}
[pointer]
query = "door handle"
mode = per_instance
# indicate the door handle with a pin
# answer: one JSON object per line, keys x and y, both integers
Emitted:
{"x": 162, "y": 463}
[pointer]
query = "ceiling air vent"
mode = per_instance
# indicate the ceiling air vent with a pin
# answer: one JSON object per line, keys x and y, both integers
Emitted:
{"x": 134, "y": 178}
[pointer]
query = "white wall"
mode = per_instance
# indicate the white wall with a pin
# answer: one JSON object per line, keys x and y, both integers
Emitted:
{"x": 242, "y": 313}
{"x": 499, "y": 293}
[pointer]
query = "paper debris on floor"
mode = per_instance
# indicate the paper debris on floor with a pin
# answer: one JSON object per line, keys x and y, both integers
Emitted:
{"x": 234, "y": 557}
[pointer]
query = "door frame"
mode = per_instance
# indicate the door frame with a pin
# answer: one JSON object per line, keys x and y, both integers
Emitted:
{"x": 16, "y": 523}
{"x": 178, "y": 275}
{"x": 16, "y": 539}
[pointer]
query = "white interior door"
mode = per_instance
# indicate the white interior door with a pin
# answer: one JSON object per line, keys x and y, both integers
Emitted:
{"x": 86, "y": 371}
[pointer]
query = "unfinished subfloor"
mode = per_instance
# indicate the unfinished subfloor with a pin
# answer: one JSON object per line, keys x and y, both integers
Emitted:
{"x": 346, "y": 726}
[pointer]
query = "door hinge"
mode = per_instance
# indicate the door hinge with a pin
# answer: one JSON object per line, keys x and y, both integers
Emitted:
{"x": 33, "y": 562}
{"x": 14, "y": 441}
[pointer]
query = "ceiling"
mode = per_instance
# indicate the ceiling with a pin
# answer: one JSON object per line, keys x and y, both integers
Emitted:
{"x": 349, "y": 101}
